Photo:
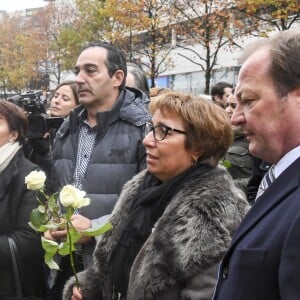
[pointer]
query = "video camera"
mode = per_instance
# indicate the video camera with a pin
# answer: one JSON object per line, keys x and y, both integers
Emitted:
{"x": 30, "y": 102}
{"x": 39, "y": 122}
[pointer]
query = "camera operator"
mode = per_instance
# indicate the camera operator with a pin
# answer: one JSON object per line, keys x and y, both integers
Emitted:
{"x": 43, "y": 126}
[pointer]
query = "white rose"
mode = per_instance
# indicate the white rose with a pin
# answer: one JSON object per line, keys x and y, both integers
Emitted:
{"x": 35, "y": 180}
{"x": 70, "y": 196}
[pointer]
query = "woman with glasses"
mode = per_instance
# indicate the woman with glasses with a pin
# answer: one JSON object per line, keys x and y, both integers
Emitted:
{"x": 174, "y": 220}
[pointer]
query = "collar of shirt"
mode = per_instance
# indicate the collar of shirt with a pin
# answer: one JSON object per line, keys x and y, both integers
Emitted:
{"x": 286, "y": 161}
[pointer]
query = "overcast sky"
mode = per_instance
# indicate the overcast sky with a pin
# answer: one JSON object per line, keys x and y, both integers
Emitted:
{"x": 12, "y": 5}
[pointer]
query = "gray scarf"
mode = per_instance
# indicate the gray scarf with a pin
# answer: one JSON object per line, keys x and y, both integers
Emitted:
{"x": 7, "y": 152}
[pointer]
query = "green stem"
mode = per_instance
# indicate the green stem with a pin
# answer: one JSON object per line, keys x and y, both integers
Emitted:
{"x": 71, "y": 253}
{"x": 56, "y": 217}
{"x": 44, "y": 194}
{"x": 51, "y": 214}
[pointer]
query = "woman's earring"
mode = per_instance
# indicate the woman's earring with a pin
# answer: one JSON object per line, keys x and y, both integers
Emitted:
{"x": 194, "y": 162}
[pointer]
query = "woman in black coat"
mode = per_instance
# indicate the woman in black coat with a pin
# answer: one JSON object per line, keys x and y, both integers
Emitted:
{"x": 16, "y": 204}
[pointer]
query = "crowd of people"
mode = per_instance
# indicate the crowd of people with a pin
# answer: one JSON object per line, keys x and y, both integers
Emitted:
{"x": 203, "y": 196}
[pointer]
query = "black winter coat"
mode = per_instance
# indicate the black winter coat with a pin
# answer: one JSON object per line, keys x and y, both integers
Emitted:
{"x": 240, "y": 159}
{"x": 117, "y": 156}
{"x": 16, "y": 204}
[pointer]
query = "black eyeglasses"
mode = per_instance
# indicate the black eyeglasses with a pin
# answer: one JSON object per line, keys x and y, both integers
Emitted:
{"x": 160, "y": 131}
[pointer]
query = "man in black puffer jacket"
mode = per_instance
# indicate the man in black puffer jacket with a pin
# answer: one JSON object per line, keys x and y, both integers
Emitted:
{"x": 99, "y": 146}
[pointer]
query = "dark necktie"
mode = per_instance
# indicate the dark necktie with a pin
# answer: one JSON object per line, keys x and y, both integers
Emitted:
{"x": 266, "y": 181}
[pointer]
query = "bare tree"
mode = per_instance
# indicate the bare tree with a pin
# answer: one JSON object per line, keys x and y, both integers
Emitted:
{"x": 206, "y": 24}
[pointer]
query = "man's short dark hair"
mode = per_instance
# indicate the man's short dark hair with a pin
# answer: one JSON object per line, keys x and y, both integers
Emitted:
{"x": 116, "y": 59}
{"x": 218, "y": 88}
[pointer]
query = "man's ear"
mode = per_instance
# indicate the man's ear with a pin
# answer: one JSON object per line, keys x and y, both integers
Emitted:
{"x": 295, "y": 96}
{"x": 118, "y": 78}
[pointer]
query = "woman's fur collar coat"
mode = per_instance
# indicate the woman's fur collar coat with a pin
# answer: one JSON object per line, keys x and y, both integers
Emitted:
{"x": 190, "y": 237}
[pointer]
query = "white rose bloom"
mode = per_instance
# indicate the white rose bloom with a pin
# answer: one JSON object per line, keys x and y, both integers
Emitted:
{"x": 35, "y": 180}
{"x": 70, "y": 196}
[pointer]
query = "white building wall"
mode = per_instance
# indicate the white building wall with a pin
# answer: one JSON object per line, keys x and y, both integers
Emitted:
{"x": 187, "y": 76}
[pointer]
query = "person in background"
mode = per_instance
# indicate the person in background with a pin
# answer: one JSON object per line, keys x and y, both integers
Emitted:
{"x": 263, "y": 260}
{"x": 99, "y": 146}
{"x": 136, "y": 78}
{"x": 156, "y": 91}
{"x": 174, "y": 220}
{"x": 16, "y": 204}
{"x": 43, "y": 97}
{"x": 62, "y": 100}
{"x": 259, "y": 169}
{"x": 237, "y": 157}
{"x": 220, "y": 92}
{"x": 246, "y": 170}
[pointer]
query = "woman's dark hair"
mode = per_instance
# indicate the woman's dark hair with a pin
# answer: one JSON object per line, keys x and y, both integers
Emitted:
{"x": 72, "y": 84}
{"x": 15, "y": 118}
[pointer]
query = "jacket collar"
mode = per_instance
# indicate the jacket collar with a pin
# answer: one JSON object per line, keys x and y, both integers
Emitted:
{"x": 271, "y": 198}
{"x": 130, "y": 106}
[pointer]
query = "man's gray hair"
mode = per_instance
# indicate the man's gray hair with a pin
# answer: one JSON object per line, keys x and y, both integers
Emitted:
{"x": 284, "y": 64}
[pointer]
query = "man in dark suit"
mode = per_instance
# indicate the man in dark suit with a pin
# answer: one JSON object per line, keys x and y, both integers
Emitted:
{"x": 263, "y": 261}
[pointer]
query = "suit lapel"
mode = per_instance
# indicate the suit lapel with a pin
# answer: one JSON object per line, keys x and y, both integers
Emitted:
{"x": 285, "y": 184}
